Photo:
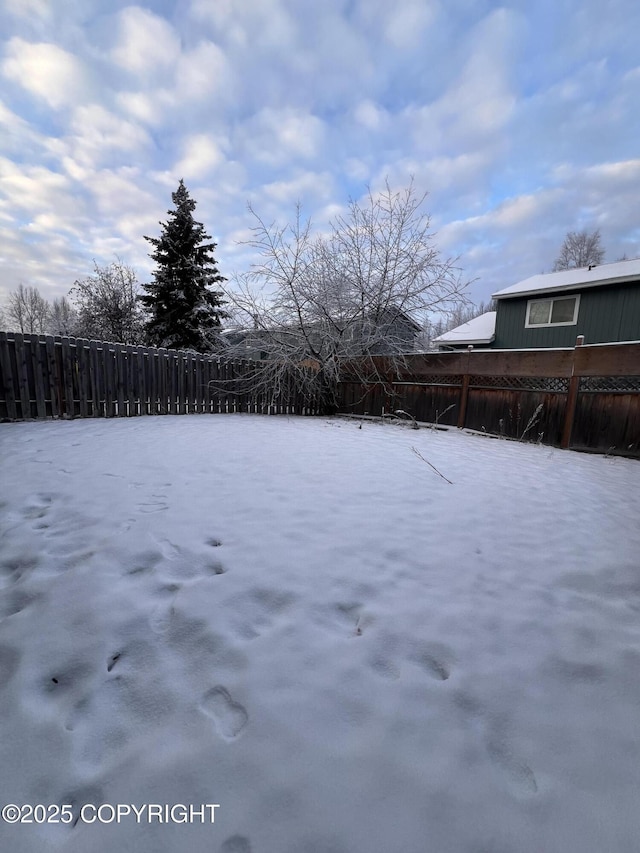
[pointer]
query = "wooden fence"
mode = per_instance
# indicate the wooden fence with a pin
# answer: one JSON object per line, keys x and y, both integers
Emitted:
{"x": 53, "y": 377}
{"x": 587, "y": 398}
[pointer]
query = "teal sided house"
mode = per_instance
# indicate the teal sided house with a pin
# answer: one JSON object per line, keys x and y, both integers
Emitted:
{"x": 602, "y": 303}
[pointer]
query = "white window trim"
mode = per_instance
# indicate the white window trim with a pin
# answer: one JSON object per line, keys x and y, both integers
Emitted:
{"x": 552, "y": 299}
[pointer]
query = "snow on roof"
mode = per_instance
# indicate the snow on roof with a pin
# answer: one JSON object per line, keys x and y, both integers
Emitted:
{"x": 480, "y": 330}
{"x": 572, "y": 279}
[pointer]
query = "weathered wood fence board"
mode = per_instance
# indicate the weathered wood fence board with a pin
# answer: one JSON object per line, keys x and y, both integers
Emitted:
{"x": 42, "y": 376}
{"x": 586, "y": 398}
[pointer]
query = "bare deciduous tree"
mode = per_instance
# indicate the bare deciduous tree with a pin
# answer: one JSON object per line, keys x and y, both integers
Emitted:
{"x": 580, "y": 249}
{"x": 27, "y": 311}
{"x": 361, "y": 290}
{"x": 107, "y": 305}
{"x": 63, "y": 319}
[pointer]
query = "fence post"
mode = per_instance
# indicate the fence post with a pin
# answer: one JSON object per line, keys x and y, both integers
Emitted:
{"x": 572, "y": 399}
{"x": 464, "y": 391}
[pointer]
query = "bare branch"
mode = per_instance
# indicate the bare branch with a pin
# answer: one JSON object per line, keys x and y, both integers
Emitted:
{"x": 420, "y": 456}
{"x": 360, "y": 290}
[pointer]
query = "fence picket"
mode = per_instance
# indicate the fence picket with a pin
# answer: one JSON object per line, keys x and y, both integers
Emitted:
{"x": 161, "y": 374}
{"x": 188, "y": 383}
{"x": 120, "y": 364}
{"x": 94, "y": 380}
{"x": 7, "y": 377}
{"x": 143, "y": 379}
{"x": 109, "y": 364}
{"x": 130, "y": 382}
{"x": 206, "y": 390}
{"x": 66, "y": 367}
{"x": 199, "y": 391}
{"x": 22, "y": 377}
{"x": 82, "y": 375}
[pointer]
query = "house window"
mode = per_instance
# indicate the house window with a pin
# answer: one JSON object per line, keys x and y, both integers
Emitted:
{"x": 562, "y": 311}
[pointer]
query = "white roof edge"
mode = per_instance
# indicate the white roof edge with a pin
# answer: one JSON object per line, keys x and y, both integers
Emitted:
{"x": 560, "y": 288}
{"x": 557, "y": 349}
{"x": 573, "y": 279}
{"x": 479, "y": 330}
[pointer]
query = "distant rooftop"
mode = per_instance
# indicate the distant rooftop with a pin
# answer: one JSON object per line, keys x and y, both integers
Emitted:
{"x": 595, "y": 276}
{"x": 480, "y": 330}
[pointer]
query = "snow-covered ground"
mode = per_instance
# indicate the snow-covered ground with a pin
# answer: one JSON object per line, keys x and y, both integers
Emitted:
{"x": 299, "y": 620}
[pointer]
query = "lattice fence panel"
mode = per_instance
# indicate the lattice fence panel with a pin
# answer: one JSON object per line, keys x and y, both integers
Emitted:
{"x": 549, "y": 384}
{"x": 434, "y": 379}
{"x": 610, "y": 384}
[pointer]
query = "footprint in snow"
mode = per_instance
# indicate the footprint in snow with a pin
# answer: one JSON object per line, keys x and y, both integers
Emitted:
{"x": 434, "y": 659}
{"x": 170, "y": 551}
{"x": 214, "y": 568}
{"x": 78, "y": 797}
{"x": 384, "y": 667}
{"x": 38, "y": 507}
{"x": 518, "y": 776}
{"x": 152, "y": 506}
{"x": 14, "y": 568}
{"x": 230, "y": 717}
{"x": 256, "y": 610}
{"x": 236, "y": 844}
{"x": 143, "y": 562}
{"x": 161, "y": 619}
{"x": 16, "y": 601}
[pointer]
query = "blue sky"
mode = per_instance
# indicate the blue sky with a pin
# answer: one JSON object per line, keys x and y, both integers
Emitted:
{"x": 521, "y": 121}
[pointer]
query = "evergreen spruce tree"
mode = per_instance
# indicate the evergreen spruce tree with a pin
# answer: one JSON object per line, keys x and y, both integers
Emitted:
{"x": 184, "y": 310}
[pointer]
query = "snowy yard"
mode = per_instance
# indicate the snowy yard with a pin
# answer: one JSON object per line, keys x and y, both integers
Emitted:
{"x": 299, "y": 620}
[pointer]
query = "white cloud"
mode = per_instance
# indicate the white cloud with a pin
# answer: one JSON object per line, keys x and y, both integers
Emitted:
{"x": 201, "y": 155}
{"x": 203, "y": 73}
{"x": 33, "y": 189}
{"x": 357, "y": 170}
{"x": 118, "y": 193}
{"x": 474, "y": 111}
{"x": 407, "y": 21}
{"x": 256, "y": 25}
{"x": 520, "y": 211}
{"x": 47, "y": 71}
{"x": 291, "y": 54}
{"x": 18, "y": 136}
{"x": 29, "y": 9}
{"x": 146, "y": 42}
{"x": 139, "y": 105}
{"x": 282, "y": 136}
{"x": 620, "y": 173}
{"x": 370, "y": 115}
{"x": 309, "y": 188}
{"x": 96, "y": 133}
{"x": 96, "y": 138}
